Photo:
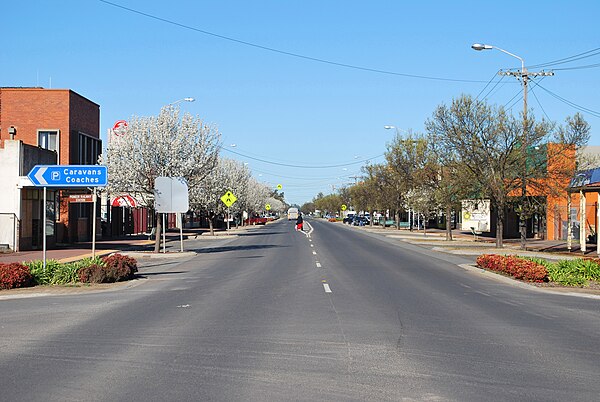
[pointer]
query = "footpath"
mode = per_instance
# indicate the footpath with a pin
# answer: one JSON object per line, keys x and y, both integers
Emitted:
{"x": 135, "y": 245}
{"x": 465, "y": 243}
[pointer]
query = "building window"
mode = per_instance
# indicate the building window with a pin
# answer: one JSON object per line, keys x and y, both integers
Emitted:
{"x": 48, "y": 139}
{"x": 90, "y": 149}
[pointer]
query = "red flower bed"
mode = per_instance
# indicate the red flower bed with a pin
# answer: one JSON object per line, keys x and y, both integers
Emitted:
{"x": 514, "y": 266}
{"x": 14, "y": 275}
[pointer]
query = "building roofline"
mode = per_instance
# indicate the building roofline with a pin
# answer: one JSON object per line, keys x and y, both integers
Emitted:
{"x": 49, "y": 89}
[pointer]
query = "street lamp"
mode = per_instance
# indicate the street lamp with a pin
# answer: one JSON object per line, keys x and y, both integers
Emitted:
{"x": 523, "y": 76}
{"x": 182, "y": 100}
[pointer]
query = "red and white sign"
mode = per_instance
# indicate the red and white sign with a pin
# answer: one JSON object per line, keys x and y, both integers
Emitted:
{"x": 124, "y": 201}
{"x": 120, "y": 128}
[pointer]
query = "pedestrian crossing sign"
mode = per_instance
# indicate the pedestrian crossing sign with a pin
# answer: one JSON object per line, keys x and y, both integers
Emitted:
{"x": 228, "y": 199}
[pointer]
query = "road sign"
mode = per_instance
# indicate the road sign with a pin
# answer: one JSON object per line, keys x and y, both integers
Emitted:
{"x": 268, "y": 207}
{"x": 68, "y": 176}
{"x": 228, "y": 199}
{"x": 171, "y": 195}
{"x": 344, "y": 207}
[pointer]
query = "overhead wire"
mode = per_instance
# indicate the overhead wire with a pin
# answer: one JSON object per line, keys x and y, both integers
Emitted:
{"x": 285, "y": 52}
{"x": 580, "y": 56}
{"x": 302, "y": 166}
{"x": 572, "y": 104}
{"x": 540, "y": 105}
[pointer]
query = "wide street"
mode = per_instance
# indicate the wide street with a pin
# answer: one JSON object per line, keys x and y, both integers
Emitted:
{"x": 275, "y": 314}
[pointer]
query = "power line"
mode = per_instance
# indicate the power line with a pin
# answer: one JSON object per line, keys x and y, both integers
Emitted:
{"x": 540, "y": 105}
{"x": 569, "y": 59}
{"x": 302, "y": 166}
{"x": 578, "y": 67}
{"x": 285, "y": 52}
{"x": 572, "y": 104}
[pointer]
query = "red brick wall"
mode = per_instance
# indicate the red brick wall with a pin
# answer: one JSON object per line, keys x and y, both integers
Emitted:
{"x": 33, "y": 109}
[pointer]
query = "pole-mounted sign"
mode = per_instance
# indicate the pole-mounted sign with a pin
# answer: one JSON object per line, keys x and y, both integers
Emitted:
{"x": 68, "y": 176}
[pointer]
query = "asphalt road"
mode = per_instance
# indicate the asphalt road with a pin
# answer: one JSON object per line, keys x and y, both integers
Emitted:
{"x": 276, "y": 315}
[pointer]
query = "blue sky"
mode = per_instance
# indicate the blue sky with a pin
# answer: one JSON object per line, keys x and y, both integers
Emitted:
{"x": 280, "y": 109}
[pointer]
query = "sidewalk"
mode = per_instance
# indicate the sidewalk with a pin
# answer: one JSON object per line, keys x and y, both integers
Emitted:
{"x": 466, "y": 241}
{"x": 139, "y": 243}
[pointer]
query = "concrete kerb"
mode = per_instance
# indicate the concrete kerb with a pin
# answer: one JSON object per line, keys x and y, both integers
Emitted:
{"x": 524, "y": 285}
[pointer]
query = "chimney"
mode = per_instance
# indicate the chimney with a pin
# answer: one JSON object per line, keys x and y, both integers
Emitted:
{"x": 12, "y": 131}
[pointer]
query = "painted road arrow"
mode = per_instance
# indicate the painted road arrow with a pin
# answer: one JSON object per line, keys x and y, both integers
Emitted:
{"x": 68, "y": 176}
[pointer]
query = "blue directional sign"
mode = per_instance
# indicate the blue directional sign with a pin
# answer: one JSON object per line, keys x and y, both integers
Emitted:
{"x": 68, "y": 176}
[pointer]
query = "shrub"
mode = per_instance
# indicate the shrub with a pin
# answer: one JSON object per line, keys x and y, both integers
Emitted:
{"x": 15, "y": 275}
{"x": 120, "y": 267}
{"x": 575, "y": 272}
{"x": 518, "y": 268}
{"x": 41, "y": 276}
{"x": 93, "y": 273}
{"x": 114, "y": 268}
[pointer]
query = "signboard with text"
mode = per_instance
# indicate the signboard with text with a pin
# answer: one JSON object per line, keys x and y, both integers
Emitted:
{"x": 68, "y": 176}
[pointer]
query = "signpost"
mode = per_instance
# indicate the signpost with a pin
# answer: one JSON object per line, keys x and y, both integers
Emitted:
{"x": 171, "y": 195}
{"x": 228, "y": 199}
{"x": 69, "y": 176}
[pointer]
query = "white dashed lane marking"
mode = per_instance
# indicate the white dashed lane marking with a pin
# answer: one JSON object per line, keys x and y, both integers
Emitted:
{"x": 327, "y": 288}
{"x": 318, "y": 265}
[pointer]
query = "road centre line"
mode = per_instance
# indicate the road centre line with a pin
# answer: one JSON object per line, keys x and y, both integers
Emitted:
{"x": 327, "y": 288}
{"x": 318, "y": 264}
{"x": 314, "y": 253}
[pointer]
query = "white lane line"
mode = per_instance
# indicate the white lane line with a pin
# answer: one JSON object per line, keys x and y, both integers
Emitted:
{"x": 314, "y": 253}
{"x": 309, "y": 231}
{"x": 327, "y": 288}
{"x": 312, "y": 245}
{"x": 318, "y": 265}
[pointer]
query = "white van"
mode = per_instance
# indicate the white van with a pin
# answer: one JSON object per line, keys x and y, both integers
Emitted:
{"x": 292, "y": 214}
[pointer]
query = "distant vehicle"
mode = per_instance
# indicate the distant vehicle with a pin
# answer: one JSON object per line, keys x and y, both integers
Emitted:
{"x": 292, "y": 214}
{"x": 257, "y": 220}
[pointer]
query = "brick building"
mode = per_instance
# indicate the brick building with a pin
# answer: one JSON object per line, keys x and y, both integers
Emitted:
{"x": 59, "y": 121}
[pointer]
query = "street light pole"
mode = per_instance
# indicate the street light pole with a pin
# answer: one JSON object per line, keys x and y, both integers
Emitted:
{"x": 189, "y": 99}
{"x": 523, "y": 75}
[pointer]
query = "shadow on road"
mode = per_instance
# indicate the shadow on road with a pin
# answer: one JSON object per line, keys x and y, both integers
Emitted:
{"x": 235, "y": 248}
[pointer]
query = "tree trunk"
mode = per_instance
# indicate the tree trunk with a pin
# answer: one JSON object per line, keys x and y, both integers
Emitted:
{"x": 448, "y": 223}
{"x": 523, "y": 229}
{"x": 500, "y": 227}
{"x": 211, "y": 225}
{"x": 158, "y": 233}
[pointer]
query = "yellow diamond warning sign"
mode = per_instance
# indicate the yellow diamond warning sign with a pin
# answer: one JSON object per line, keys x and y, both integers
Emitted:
{"x": 228, "y": 199}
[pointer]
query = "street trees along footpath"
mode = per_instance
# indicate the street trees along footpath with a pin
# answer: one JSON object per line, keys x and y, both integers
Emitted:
{"x": 228, "y": 175}
{"x": 489, "y": 143}
{"x": 167, "y": 145}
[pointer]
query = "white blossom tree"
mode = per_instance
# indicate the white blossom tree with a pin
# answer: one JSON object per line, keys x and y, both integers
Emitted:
{"x": 167, "y": 145}
{"x": 228, "y": 175}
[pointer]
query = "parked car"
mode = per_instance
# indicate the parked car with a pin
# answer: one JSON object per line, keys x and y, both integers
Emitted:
{"x": 359, "y": 221}
{"x": 348, "y": 219}
{"x": 256, "y": 221}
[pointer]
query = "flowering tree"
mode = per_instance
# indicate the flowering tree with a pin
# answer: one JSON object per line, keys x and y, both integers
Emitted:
{"x": 228, "y": 175}
{"x": 164, "y": 145}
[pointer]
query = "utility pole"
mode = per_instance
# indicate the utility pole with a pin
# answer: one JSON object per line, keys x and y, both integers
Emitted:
{"x": 524, "y": 76}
